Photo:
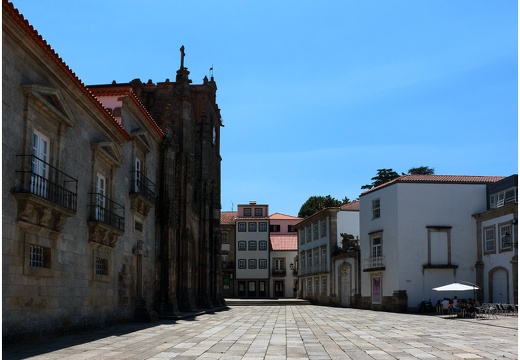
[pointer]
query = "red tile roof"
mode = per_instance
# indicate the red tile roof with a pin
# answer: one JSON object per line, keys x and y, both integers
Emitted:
{"x": 351, "y": 206}
{"x": 126, "y": 90}
{"x": 284, "y": 242}
{"x": 279, "y": 216}
{"x": 228, "y": 217}
{"x": 439, "y": 179}
{"x": 29, "y": 30}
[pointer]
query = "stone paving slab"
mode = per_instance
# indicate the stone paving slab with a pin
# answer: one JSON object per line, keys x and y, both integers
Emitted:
{"x": 289, "y": 332}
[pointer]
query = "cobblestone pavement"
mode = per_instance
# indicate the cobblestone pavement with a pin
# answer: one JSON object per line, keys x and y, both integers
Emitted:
{"x": 290, "y": 332}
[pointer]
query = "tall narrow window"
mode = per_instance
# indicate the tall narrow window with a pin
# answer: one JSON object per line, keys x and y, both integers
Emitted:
{"x": 505, "y": 237}
{"x": 489, "y": 239}
{"x": 376, "y": 209}
{"x": 377, "y": 250}
{"x": 100, "y": 197}
{"x": 137, "y": 175}
{"x": 40, "y": 166}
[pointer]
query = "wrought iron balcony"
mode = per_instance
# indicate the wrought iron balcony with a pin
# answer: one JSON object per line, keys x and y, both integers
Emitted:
{"x": 46, "y": 196}
{"x": 106, "y": 222}
{"x": 143, "y": 186}
{"x": 41, "y": 179}
{"x": 142, "y": 193}
{"x": 279, "y": 272}
{"x": 107, "y": 211}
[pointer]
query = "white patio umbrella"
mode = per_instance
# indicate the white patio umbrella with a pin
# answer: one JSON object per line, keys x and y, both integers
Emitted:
{"x": 458, "y": 286}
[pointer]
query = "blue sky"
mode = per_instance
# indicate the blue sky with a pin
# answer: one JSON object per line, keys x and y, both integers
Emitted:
{"x": 317, "y": 95}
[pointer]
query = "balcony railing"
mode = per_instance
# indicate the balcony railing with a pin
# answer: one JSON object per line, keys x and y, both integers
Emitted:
{"x": 143, "y": 186}
{"x": 374, "y": 262}
{"x": 45, "y": 181}
{"x": 279, "y": 272}
{"x": 107, "y": 211}
{"x": 313, "y": 269}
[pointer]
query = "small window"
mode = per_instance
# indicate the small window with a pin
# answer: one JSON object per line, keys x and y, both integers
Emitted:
{"x": 247, "y": 211}
{"x": 252, "y": 263}
{"x": 290, "y": 228}
{"x": 315, "y": 230}
{"x": 251, "y": 227}
{"x": 242, "y": 245}
{"x": 262, "y": 245}
{"x": 241, "y": 226}
{"x": 242, "y": 264}
{"x": 262, "y": 226}
{"x": 259, "y": 212}
{"x": 224, "y": 236}
{"x": 376, "y": 209}
{"x": 252, "y": 245}
{"x": 101, "y": 266}
{"x": 39, "y": 256}
{"x": 274, "y": 228}
{"x": 138, "y": 226}
{"x": 324, "y": 285}
{"x": 308, "y": 234}
{"x": 317, "y": 285}
{"x": 301, "y": 235}
{"x": 262, "y": 264}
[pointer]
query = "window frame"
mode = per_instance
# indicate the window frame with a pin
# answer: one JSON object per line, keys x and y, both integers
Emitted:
{"x": 242, "y": 227}
{"x": 262, "y": 226}
{"x": 252, "y": 245}
{"x": 241, "y": 263}
{"x": 376, "y": 208}
{"x": 251, "y": 226}
{"x": 242, "y": 245}
{"x": 489, "y": 243}
{"x": 262, "y": 245}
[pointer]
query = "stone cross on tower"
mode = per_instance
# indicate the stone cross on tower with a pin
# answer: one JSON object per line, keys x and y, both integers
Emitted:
{"x": 182, "y": 57}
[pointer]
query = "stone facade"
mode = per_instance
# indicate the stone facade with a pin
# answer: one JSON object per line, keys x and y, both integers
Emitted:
{"x": 111, "y": 205}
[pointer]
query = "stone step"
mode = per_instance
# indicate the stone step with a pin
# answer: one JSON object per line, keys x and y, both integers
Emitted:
{"x": 265, "y": 302}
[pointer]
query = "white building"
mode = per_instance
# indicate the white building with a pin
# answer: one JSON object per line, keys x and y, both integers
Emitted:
{"x": 497, "y": 244}
{"x": 252, "y": 250}
{"x": 319, "y": 238}
{"x": 284, "y": 249}
{"x": 417, "y": 233}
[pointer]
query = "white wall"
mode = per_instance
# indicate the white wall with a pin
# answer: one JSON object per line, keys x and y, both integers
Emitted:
{"x": 406, "y": 211}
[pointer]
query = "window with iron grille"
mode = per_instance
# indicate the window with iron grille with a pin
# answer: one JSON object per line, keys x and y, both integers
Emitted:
{"x": 39, "y": 256}
{"x": 101, "y": 266}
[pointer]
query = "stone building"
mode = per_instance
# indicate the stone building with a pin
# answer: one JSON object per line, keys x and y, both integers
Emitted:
{"x": 111, "y": 193}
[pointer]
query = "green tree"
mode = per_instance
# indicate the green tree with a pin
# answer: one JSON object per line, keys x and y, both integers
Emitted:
{"x": 383, "y": 176}
{"x": 422, "y": 170}
{"x": 317, "y": 203}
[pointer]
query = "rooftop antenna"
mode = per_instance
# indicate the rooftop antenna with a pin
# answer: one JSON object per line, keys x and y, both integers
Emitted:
{"x": 232, "y": 205}
{"x": 211, "y": 72}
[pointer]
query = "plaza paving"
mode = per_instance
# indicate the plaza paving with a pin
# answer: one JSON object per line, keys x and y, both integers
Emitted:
{"x": 289, "y": 332}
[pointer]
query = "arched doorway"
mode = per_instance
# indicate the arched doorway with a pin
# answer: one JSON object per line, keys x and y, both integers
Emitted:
{"x": 498, "y": 289}
{"x": 345, "y": 284}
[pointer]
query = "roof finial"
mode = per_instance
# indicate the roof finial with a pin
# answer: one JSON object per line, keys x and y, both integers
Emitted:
{"x": 182, "y": 57}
